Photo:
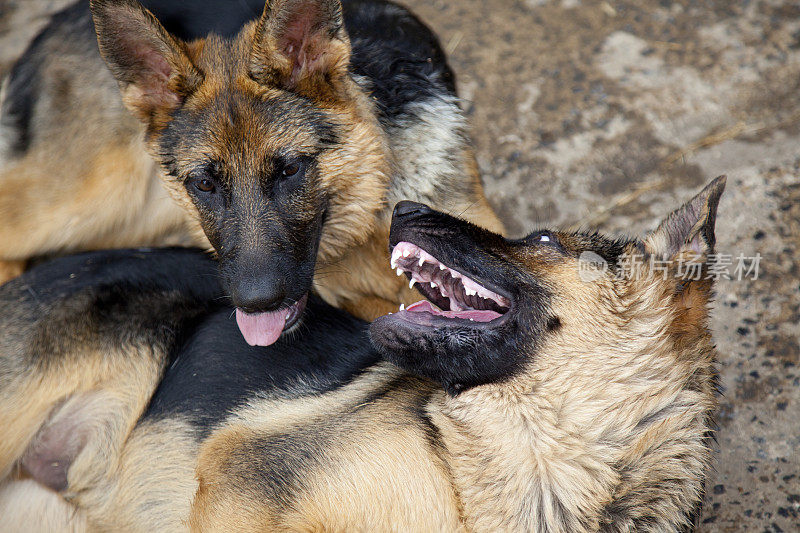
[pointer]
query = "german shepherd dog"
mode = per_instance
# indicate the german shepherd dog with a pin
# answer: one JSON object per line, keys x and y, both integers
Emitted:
{"x": 520, "y": 395}
{"x": 283, "y": 140}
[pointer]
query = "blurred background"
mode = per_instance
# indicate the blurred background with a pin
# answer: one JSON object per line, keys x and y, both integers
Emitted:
{"x": 609, "y": 115}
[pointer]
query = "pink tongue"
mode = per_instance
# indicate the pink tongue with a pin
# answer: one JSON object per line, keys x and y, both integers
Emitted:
{"x": 425, "y": 306}
{"x": 261, "y": 329}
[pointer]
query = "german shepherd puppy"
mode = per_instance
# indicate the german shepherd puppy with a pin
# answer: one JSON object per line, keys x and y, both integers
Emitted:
{"x": 526, "y": 392}
{"x": 284, "y": 140}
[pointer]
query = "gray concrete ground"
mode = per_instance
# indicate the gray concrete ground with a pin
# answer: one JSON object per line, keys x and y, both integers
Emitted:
{"x": 610, "y": 114}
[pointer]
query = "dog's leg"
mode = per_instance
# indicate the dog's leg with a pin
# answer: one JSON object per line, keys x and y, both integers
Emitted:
{"x": 27, "y": 506}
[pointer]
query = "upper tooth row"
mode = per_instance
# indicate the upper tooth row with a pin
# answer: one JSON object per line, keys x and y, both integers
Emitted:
{"x": 406, "y": 249}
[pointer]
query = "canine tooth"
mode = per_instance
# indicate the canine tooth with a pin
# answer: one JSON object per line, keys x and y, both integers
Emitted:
{"x": 399, "y": 271}
{"x": 421, "y": 261}
{"x": 411, "y": 283}
{"x": 402, "y": 307}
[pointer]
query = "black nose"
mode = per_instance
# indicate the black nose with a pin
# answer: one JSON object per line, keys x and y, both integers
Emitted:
{"x": 407, "y": 209}
{"x": 256, "y": 295}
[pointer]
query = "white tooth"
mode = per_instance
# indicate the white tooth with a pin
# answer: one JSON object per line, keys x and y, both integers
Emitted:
{"x": 406, "y": 253}
{"x": 411, "y": 283}
{"x": 471, "y": 320}
{"x": 433, "y": 284}
{"x": 421, "y": 261}
{"x": 393, "y": 262}
{"x": 469, "y": 292}
{"x": 402, "y": 307}
{"x": 399, "y": 271}
{"x": 442, "y": 267}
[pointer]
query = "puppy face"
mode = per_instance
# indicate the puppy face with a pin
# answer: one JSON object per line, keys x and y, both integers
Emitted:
{"x": 264, "y": 138}
{"x": 493, "y": 306}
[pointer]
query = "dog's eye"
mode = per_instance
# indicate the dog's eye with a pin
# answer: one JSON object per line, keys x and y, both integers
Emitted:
{"x": 546, "y": 237}
{"x": 204, "y": 185}
{"x": 291, "y": 169}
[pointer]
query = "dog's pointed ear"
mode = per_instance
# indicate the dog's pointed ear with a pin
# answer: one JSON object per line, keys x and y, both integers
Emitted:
{"x": 301, "y": 46}
{"x": 152, "y": 67}
{"x": 690, "y": 228}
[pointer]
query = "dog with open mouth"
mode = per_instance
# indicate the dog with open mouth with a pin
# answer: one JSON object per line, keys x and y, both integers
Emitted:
{"x": 521, "y": 393}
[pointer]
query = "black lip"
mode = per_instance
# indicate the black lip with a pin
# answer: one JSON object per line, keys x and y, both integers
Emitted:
{"x": 297, "y": 314}
{"x": 445, "y": 322}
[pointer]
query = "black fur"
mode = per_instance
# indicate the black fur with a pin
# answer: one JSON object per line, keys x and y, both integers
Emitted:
{"x": 25, "y": 84}
{"x": 398, "y": 54}
{"x": 105, "y": 299}
{"x": 171, "y": 300}
{"x": 214, "y": 370}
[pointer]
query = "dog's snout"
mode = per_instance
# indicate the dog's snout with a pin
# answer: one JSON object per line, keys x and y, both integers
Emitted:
{"x": 407, "y": 208}
{"x": 257, "y": 295}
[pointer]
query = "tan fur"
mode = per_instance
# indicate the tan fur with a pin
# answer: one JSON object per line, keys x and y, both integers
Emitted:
{"x": 88, "y": 182}
{"x": 551, "y": 451}
{"x": 370, "y": 467}
{"x": 11, "y": 269}
{"x": 573, "y": 420}
{"x": 106, "y": 479}
{"x": 105, "y": 197}
{"x": 27, "y": 506}
{"x": 141, "y": 493}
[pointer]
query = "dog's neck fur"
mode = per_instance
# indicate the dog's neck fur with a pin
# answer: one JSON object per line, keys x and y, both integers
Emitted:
{"x": 578, "y": 441}
{"x": 428, "y": 160}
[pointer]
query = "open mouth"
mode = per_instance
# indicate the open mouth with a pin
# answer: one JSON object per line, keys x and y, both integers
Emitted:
{"x": 263, "y": 329}
{"x": 451, "y": 295}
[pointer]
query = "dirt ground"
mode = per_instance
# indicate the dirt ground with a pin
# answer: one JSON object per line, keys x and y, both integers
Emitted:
{"x": 609, "y": 114}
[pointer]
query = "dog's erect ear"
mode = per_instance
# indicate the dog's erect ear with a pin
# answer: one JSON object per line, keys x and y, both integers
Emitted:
{"x": 152, "y": 67}
{"x": 690, "y": 228}
{"x": 301, "y": 46}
